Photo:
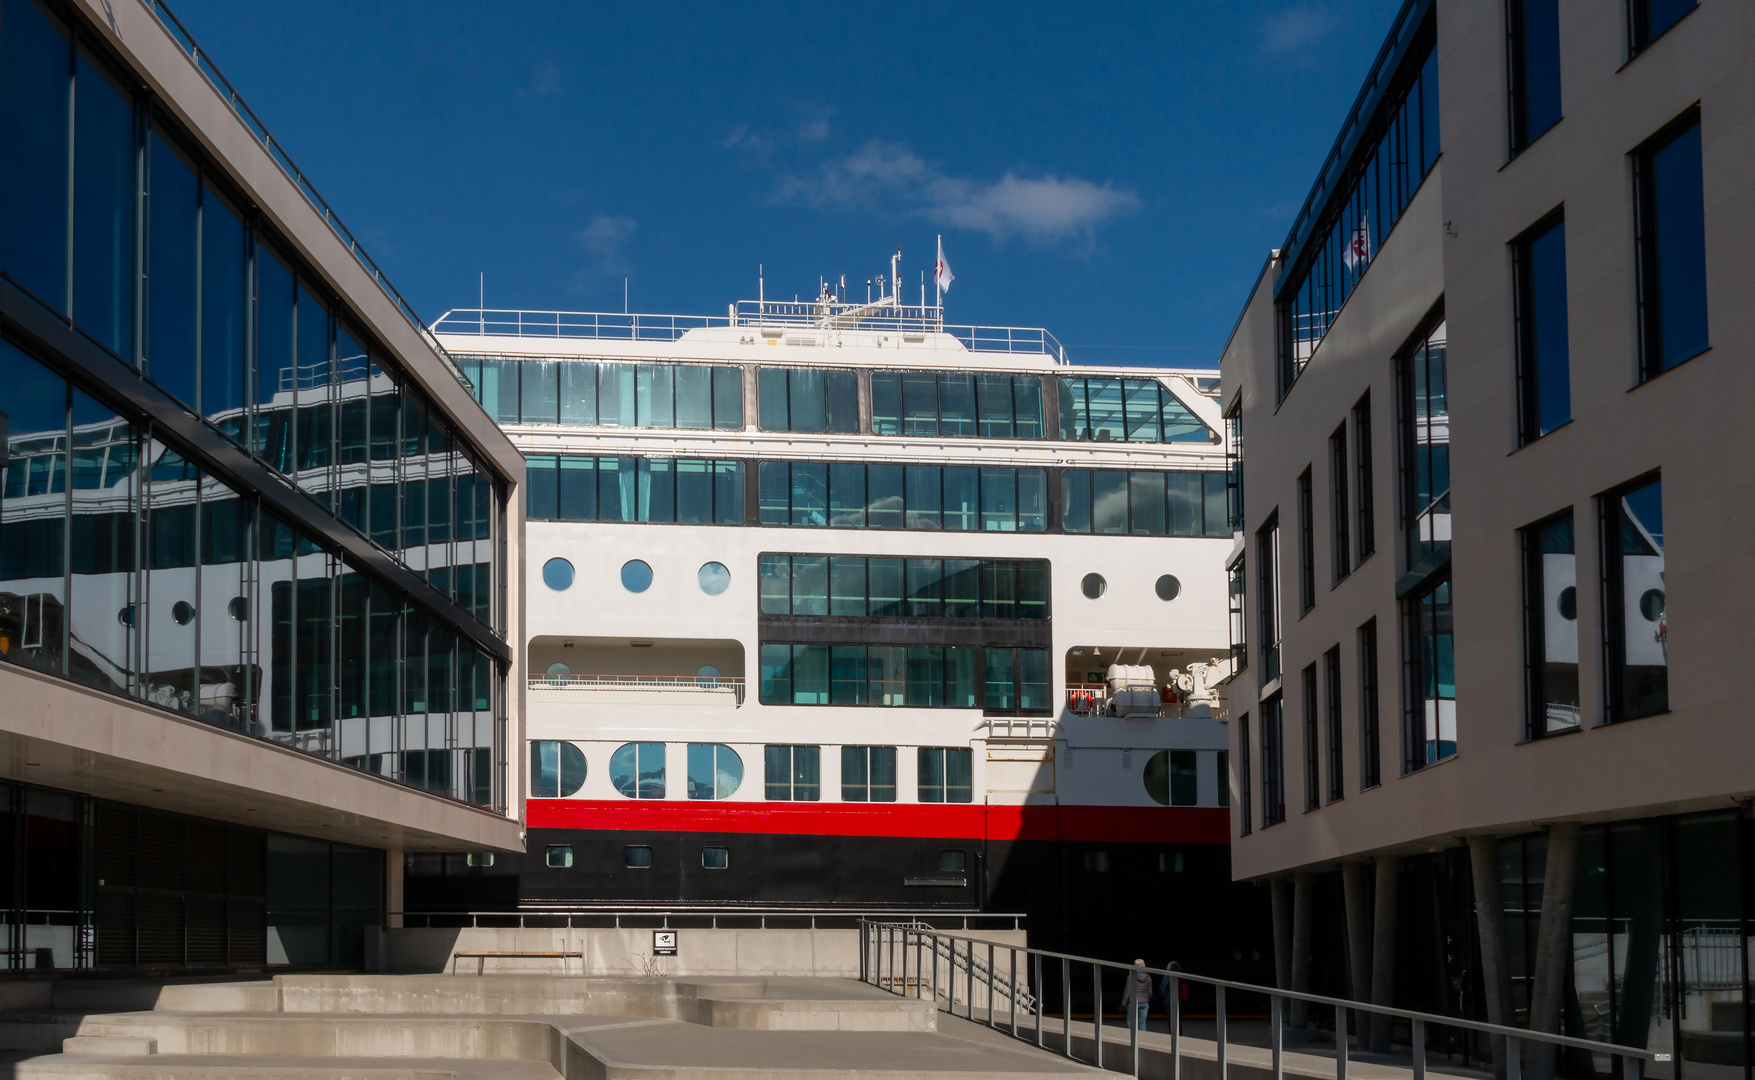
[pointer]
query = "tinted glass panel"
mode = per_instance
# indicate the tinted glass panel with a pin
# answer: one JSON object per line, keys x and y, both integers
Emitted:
{"x": 34, "y": 99}
{"x": 103, "y": 203}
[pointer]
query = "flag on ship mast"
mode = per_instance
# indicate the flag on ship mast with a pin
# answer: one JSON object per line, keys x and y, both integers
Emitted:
{"x": 1359, "y": 248}
{"x": 941, "y": 272}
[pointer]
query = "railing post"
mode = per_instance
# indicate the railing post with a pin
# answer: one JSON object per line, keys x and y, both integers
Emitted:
{"x": 1276, "y": 1036}
{"x": 1132, "y": 1009}
{"x": 1341, "y": 1018}
{"x": 1014, "y": 991}
{"x": 1419, "y": 1041}
{"x": 969, "y": 952}
{"x": 1513, "y": 1059}
{"x": 1219, "y": 1028}
{"x": 1173, "y": 1013}
{"x": 1066, "y": 1005}
{"x": 1097, "y": 1009}
{"x": 1036, "y": 988}
{"x": 990, "y": 971}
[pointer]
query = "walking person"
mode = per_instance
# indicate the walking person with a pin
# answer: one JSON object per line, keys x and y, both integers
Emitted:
{"x": 1136, "y": 998}
{"x": 1164, "y": 989}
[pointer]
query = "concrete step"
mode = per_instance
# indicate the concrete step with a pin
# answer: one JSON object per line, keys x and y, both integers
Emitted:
{"x": 118, "y": 995}
{"x": 92, "y": 1067}
{"x": 36, "y": 1031}
{"x": 110, "y": 1045}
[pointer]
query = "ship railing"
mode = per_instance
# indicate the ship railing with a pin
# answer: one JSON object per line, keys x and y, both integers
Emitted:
{"x": 1020, "y": 727}
{"x": 624, "y": 916}
{"x": 203, "y": 63}
{"x": 1093, "y": 699}
{"x": 906, "y": 960}
{"x": 725, "y": 685}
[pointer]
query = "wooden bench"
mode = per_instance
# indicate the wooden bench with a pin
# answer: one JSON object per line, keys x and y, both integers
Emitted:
{"x": 481, "y": 958}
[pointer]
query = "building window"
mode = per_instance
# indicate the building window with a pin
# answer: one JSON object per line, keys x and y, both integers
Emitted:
{"x": 1245, "y": 805}
{"x": 1649, "y": 20}
{"x": 637, "y": 770}
{"x": 1333, "y": 242}
{"x": 917, "y": 676}
{"x": 1312, "y": 741}
{"x": 637, "y": 857}
{"x": 952, "y": 403}
{"x": 1670, "y": 214}
{"x": 1544, "y": 377}
{"x": 1126, "y": 410}
{"x": 1363, "y": 491}
{"x": 1170, "y": 778}
{"x": 792, "y": 773}
{"x": 946, "y": 775}
{"x": 715, "y": 771}
{"x": 715, "y": 858}
{"x": 1234, "y": 465}
{"x": 1273, "y": 761}
{"x": 1339, "y": 513}
{"x": 950, "y": 498}
{"x": 1267, "y": 599}
{"x": 853, "y": 586}
{"x": 1306, "y": 543}
{"x": 1331, "y": 676}
{"x": 684, "y": 491}
{"x": 1551, "y": 627}
{"x": 1370, "y": 743}
{"x": 557, "y": 770}
{"x": 868, "y": 774}
{"x": 1426, "y": 454}
{"x": 1118, "y": 503}
{"x": 1637, "y": 628}
{"x": 1534, "y": 31}
{"x": 1222, "y": 767}
{"x": 808, "y": 399}
{"x": 1239, "y": 601}
{"x": 558, "y": 856}
{"x": 1430, "y": 734}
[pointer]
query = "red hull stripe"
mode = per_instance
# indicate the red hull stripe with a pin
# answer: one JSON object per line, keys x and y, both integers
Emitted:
{"x": 1122, "y": 824}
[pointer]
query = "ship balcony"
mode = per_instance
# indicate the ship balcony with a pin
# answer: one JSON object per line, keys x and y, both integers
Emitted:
{"x": 578, "y": 677}
{"x": 724, "y": 691}
{"x": 1131, "y": 682}
{"x": 1095, "y": 699}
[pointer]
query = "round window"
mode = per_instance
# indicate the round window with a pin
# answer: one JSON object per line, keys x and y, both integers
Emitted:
{"x": 557, "y": 574}
{"x": 1651, "y": 604}
{"x": 1157, "y": 777}
{"x": 557, "y": 674}
{"x": 707, "y": 677}
{"x": 127, "y": 615}
{"x": 714, "y": 578}
{"x": 557, "y": 770}
{"x": 184, "y": 612}
{"x": 1093, "y": 586}
{"x": 1567, "y": 602}
{"x": 238, "y": 609}
{"x": 636, "y": 576}
{"x": 1168, "y": 587}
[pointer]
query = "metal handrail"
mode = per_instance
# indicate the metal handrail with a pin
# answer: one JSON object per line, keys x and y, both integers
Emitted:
{"x": 892, "y": 941}
{"x": 203, "y": 63}
{"x": 698, "y": 684}
{"x": 712, "y": 912}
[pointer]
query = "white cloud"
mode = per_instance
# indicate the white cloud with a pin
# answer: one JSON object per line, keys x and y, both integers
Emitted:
{"x": 604, "y": 240}
{"x": 1295, "y": 31}
{"x": 882, "y": 173}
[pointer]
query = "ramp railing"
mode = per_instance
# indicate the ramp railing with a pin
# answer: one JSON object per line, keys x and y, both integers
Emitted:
{"x": 905, "y": 958}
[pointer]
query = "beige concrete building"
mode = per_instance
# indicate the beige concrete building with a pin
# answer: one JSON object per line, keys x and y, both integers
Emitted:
{"x": 255, "y": 534}
{"x": 1485, "y": 385}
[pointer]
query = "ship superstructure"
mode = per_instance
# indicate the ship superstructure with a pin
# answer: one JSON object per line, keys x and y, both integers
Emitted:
{"x": 833, "y": 604}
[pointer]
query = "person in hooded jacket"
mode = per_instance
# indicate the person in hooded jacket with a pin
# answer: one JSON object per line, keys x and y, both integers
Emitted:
{"x": 1136, "y": 996}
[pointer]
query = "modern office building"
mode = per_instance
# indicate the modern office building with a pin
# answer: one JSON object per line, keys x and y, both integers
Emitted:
{"x": 833, "y": 605}
{"x": 1494, "y": 379}
{"x": 255, "y": 533}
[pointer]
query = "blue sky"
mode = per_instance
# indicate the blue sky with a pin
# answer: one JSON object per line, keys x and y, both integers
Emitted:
{"x": 1114, "y": 172}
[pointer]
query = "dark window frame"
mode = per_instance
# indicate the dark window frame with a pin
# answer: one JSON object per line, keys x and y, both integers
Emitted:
{"x": 1535, "y": 624}
{"x": 1331, "y": 662}
{"x": 1517, "y": 50}
{"x": 1267, "y": 602}
{"x": 1306, "y": 542}
{"x": 1639, "y": 35}
{"x": 1525, "y": 318}
{"x": 1646, "y": 243}
{"x": 1312, "y": 741}
{"x": 1370, "y": 728}
{"x": 1340, "y": 514}
{"x": 1612, "y": 584}
{"x": 1365, "y": 534}
{"x": 1273, "y": 760}
{"x": 1245, "y": 798}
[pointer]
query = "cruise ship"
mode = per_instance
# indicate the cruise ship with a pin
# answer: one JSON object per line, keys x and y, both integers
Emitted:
{"x": 833, "y": 605}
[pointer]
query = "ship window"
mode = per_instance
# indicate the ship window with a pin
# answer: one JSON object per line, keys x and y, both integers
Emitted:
{"x": 637, "y": 770}
{"x": 952, "y": 862}
{"x": 715, "y": 771}
{"x": 557, "y": 770}
{"x": 693, "y": 491}
{"x": 714, "y": 578}
{"x": 715, "y": 858}
{"x": 868, "y": 774}
{"x": 1093, "y": 586}
{"x": 557, "y": 674}
{"x": 946, "y": 774}
{"x": 808, "y": 399}
{"x": 636, "y": 576}
{"x": 558, "y": 856}
{"x": 792, "y": 773}
{"x": 1096, "y": 862}
{"x": 637, "y": 857}
{"x": 557, "y": 574}
{"x": 1168, "y": 588}
{"x": 956, "y": 404}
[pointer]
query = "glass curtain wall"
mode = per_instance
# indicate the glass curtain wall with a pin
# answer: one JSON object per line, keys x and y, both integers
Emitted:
{"x": 685, "y": 491}
{"x": 927, "y": 497}
{"x": 892, "y": 587}
{"x": 588, "y": 393}
{"x": 956, "y": 404}
{"x": 1117, "y": 503}
{"x": 1127, "y": 410}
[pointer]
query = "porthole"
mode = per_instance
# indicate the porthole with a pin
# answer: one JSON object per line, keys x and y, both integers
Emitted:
{"x": 952, "y": 862}
{"x": 557, "y": 574}
{"x": 1156, "y": 775}
{"x": 557, "y": 674}
{"x": 557, "y": 769}
{"x": 1169, "y": 588}
{"x": 238, "y": 609}
{"x": 708, "y": 677}
{"x": 128, "y": 615}
{"x": 184, "y": 612}
{"x": 715, "y": 858}
{"x": 558, "y": 856}
{"x": 714, "y": 578}
{"x": 637, "y": 857}
{"x": 1651, "y": 604}
{"x": 1093, "y": 586}
{"x": 636, "y": 576}
{"x": 1567, "y": 602}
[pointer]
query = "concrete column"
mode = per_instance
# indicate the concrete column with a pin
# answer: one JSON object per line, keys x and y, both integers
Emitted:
{"x": 393, "y": 895}
{"x": 1281, "y": 897}
{"x": 1303, "y": 899}
{"x": 1383, "y": 952}
{"x": 1553, "y": 946}
{"x": 1356, "y": 885}
{"x": 1490, "y": 924}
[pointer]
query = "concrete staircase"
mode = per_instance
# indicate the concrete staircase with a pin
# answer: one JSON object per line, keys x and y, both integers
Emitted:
{"x": 436, "y": 1027}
